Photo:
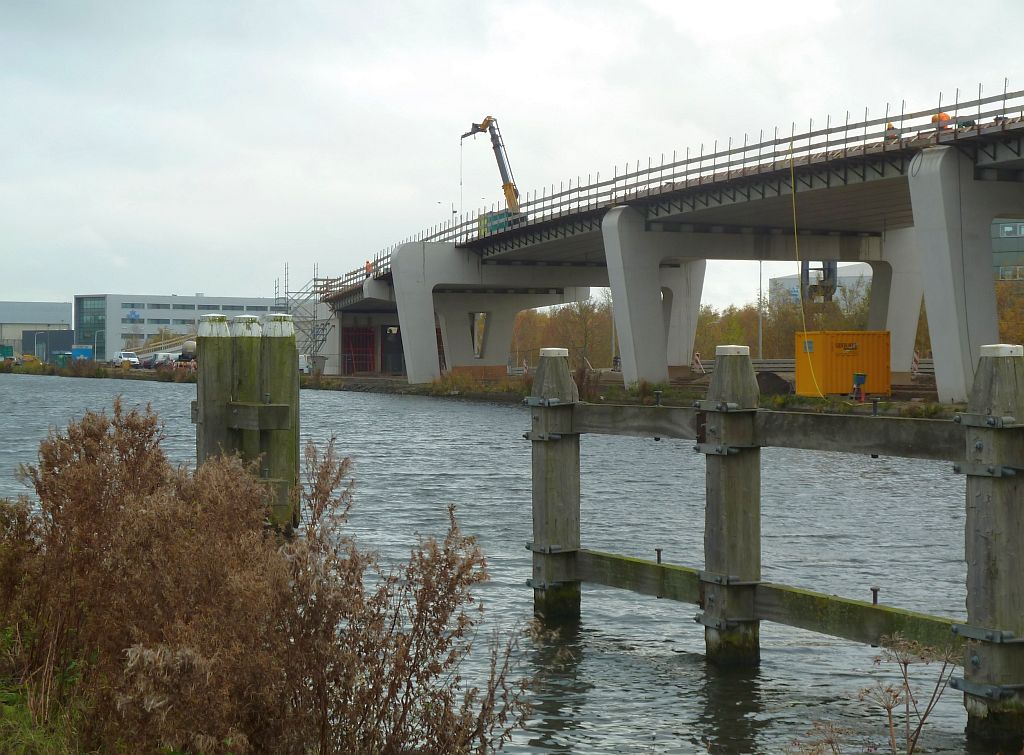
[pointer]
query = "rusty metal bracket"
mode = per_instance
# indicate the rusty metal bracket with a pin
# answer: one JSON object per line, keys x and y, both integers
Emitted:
{"x": 723, "y": 579}
{"x": 720, "y": 624}
{"x": 988, "y": 691}
{"x": 981, "y": 634}
{"x": 538, "y": 548}
{"x": 542, "y": 436}
{"x": 705, "y": 405}
{"x": 539, "y": 584}
{"x": 716, "y": 449}
{"x": 984, "y": 470}
{"x": 537, "y": 401}
{"x": 984, "y": 420}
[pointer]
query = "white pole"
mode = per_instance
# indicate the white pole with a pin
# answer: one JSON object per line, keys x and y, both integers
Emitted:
{"x": 760, "y": 311}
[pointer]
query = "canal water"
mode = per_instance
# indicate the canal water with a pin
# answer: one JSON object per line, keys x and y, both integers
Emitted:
{"x": 633, "y": 678}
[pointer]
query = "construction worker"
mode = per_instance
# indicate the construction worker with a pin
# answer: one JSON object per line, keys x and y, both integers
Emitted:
{"x": 368, "y": 268}
{"x": 892, "y": 134}
{"x": 941, "y": 120}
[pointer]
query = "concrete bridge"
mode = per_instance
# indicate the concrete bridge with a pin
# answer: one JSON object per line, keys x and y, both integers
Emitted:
{"x": 912, "y": 197}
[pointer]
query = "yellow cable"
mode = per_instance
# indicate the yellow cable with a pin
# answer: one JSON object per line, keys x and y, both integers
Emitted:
{"x": 796, "y": 248}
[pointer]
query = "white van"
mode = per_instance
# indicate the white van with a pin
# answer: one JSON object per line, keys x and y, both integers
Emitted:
{"x": 305, "y": 365}
{"x": 125, "y": 356}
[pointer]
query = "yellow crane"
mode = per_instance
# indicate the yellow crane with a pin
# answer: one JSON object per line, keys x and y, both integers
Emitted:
{"x": 508, "y": 184}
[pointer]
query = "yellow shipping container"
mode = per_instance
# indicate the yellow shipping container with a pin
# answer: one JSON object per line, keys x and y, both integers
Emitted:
{"x": 826, "y": 361}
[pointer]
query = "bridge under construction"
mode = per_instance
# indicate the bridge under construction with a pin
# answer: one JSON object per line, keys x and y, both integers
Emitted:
{"x": 912, "y": 194}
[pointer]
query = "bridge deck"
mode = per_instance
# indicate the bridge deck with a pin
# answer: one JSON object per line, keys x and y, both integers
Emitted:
{"x": 744, "y": 188}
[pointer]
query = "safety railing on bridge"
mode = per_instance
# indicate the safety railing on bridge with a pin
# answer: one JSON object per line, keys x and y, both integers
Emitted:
{"x": 894, "y": 131}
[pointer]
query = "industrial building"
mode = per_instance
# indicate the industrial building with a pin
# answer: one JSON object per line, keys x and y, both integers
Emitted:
{"x": 19, "y": 316}
{"x": 115, "y": 322}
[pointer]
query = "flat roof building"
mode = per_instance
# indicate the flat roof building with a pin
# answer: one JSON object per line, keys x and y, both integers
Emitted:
{"x": 854, "y": 279}
{"x": 124, "y": 322}
{"x": 18, "y": 316}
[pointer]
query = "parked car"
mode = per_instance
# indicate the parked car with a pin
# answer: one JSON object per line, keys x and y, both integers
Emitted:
{"x": 125, "y": 356}
{"x": 159, "y": 359}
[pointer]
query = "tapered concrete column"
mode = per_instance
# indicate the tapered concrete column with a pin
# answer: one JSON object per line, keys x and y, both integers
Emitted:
{"x": 681, "y": 291}
{"x": 952, "y": 220}
{"x": 645, "y": 321}
{"x": 414, "y": 296}
{"x": 896, "y": 292}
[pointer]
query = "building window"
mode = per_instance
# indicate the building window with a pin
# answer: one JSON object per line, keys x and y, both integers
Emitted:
{"x": 159, "y": 306}
{"x": 158, "y": 321}
{"x": 184, "y": 322}
{"x": 279, "y": 308}
{"x": 184, "y": 306}
{"x": 133, "y": 305}
{"x": 255, "y": 308}
{"x": 91, "y": 322}
{"x": 209, "y": 307}
{"x": 233, "y": 308}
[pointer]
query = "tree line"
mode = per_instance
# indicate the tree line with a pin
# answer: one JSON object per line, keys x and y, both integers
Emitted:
{"x": 586, "y": 327}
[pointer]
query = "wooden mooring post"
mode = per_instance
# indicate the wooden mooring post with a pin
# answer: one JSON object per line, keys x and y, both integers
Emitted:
{"x": 732, "y": 519}
{"x": 248, "y": 401}
{"x": 556, "y": 488}
{"x": 993, "y": 681}
{"x": 986, "y": 443}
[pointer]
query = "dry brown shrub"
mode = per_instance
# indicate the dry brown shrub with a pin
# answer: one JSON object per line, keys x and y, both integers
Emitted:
{"x": 155, "y": 610}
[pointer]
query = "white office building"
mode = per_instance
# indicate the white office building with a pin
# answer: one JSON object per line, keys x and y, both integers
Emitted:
{"x": 116, "y": 322}
{"x": 852, "y": 282}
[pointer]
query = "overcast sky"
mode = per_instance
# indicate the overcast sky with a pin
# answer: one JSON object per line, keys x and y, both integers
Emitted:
{"x": 193, "y": 145}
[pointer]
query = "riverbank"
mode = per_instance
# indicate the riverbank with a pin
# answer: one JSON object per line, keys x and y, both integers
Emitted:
{"x": 512, "y": 390}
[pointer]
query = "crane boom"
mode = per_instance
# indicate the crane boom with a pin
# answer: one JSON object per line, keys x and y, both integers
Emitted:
{"x": 508, "y": 184}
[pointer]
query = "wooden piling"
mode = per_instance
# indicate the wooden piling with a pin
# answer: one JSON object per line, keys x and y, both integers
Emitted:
{"x": 214, "y": 383}
{"x": 732, "y": 530}
{"x": 993, "y": 683}
{"x": 556, "y": 489}
{"x": 248, "y": 401}
{"x": 280, "y": 447}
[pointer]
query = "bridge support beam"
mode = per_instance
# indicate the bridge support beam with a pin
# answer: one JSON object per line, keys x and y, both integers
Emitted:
{"x": 442, "y": 285}
{"x": 952, "y": 222}
{"x": 896, "y": 293}
{"x": 655, "y": 307}
{"x": 484, "y": 346}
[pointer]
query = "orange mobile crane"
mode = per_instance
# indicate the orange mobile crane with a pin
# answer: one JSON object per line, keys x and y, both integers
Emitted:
{"x": 508, "y": 184}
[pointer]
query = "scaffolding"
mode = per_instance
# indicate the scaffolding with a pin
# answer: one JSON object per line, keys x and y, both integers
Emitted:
{"x": 312, "y": 318}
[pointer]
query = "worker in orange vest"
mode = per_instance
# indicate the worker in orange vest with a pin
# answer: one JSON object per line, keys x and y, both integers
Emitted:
{"x": 369, "y": 268}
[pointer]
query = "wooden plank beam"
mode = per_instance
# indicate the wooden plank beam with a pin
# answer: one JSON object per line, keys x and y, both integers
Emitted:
{"x": 832, "y": 615}
{"x": 941, "y": 440}
{"x": 642, "y": 421}
{"x": 636, "y": 574}
{"x": 850, "y": 619}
